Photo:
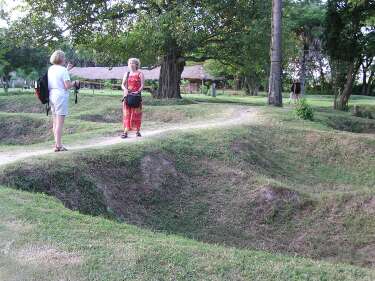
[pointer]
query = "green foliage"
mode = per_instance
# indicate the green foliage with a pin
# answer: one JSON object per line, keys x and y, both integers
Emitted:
{"x": 107, "y": 84}
{"x": 327, "y": 91}
{"x": 219, "y": 69}
{"x": 348, "y": 39}
{"x": 303, "y": 110}
{"x": 345, "y": 24}
{"x": 26, "y": 60}
{"x": 246, "y": 54}
{"x": 152, "y": 29}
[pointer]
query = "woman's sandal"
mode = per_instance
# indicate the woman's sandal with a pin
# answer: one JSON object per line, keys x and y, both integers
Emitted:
{"x": 59, "y": 149}
{"x": 124, "y": 135}
{"x": 138, "y": 134}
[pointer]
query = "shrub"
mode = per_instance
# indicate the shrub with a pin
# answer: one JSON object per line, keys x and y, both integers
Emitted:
{"x": 303, "y": 110}
{"x": 363, "y": 112}
{"x": 107, "y": 84}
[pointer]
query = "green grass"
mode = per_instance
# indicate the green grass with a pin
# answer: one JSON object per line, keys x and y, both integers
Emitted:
{"x": 94, "y": 116}
{"x": 211, "y": 187}
{"x": 285, "y": 186}
{"x": 45, "y": 241}
{"x": 228, "y": 99}
{"x": 318, "y": 101}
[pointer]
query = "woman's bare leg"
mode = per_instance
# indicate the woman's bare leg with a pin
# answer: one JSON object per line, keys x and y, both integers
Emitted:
{"x": 58, "y": 129}
{"x": 54, "y": 127}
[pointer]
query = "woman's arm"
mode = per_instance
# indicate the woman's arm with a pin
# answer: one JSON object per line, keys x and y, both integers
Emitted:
{"x": 66, "y": 77}
{"x": 123, "y": 84}
{"x": 69, "y": 84}
{"x": 142, "y": 81}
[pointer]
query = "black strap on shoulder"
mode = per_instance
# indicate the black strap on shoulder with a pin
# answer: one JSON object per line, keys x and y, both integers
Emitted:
{"x": 76, "y": 95}
{"x": 126, "y": 80}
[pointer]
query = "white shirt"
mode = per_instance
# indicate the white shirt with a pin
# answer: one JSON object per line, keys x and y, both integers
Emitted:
{"x": 57, "y": 74}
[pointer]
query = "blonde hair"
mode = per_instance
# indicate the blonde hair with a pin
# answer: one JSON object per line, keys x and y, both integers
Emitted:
{"x": 136, "y": 61}
{"x": 57, "y": 57}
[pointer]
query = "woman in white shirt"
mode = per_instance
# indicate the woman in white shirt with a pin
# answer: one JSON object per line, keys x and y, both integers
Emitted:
{"x": 58, "y": 85}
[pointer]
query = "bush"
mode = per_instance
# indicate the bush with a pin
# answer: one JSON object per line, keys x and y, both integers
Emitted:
{"x": 107, "y": 84}
{"x": 303, "y": 110}
{"x": 363, "y": 112}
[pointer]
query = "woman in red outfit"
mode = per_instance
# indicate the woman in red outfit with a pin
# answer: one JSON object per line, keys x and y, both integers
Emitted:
{"x": 132, "y": 83}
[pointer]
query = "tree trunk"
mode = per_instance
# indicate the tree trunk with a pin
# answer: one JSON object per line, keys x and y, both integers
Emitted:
{"x": 275, "y": 90}
{"x": 5, "y": 80}
{"x": 365, "y": 67}
{"x": 342, "y": 97}
{"x": 364, "y": 80}
{"x": 213, "y": 89}
{"x": 251, "y": 84}
{"x": 302, "y": 74}
{"x": 369, "y": 83}
{"x": 170, "y": 75}
{"x": 322, "y": 76}
{"x": 238, "y": 83}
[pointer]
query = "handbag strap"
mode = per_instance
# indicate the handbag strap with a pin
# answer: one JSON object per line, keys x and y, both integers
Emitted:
{"x": 126, "y": 80}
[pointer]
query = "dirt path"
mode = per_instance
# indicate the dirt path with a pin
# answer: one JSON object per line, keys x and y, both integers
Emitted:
{"x": 244, "y": 115}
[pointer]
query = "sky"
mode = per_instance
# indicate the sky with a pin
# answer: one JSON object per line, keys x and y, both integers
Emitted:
{"x": 10, "y": 6}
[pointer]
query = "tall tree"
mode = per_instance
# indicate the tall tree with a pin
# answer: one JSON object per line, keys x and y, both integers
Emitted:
{"x": 275, "y": 87}
{"x": 245, "y": 55}
{"x": 161, "y": 32}
{"x": 307, "y": 19}
{"x": 347, "y": 35}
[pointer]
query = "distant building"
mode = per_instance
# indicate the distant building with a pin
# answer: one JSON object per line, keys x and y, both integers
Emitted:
{"x": 91, "y": 76}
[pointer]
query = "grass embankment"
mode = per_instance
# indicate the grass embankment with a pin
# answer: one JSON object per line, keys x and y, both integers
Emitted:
{"x": 286, "y": 186}
{"x": 41, "y": 240}
{"x": 267, "y": 187}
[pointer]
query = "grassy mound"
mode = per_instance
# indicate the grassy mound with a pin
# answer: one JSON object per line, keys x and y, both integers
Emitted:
{"x": 25, "y": 102}
{"x": 41, "y": 240}
{"x": 286, "y": 186}
{"x": 269, "y": 188}
{"x": 29, "y": 129}
{"x": 111, "y": 115}
{"x": 23, "y": 130}
{"x": 354, "y": 125}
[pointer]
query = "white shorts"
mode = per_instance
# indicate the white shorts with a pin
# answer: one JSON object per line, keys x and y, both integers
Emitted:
{"x": 59, "y": 102}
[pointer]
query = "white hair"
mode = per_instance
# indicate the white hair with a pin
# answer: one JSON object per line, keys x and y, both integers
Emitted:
{"x": 57, "y": 57}
{"x": 136, "y": 61}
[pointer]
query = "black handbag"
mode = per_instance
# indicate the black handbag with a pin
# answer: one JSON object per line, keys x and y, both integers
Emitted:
{"x": 133, "y": 100}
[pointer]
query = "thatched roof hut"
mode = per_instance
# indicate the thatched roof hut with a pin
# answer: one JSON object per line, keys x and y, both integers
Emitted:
{"x": 194, "y": 72}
